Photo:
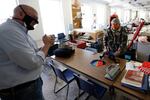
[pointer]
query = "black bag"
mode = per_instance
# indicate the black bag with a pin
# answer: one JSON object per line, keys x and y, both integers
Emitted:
{"x": 52, "y": 49}
{"x": 98, "y": 45}
{"x": 64, "y": 52}
{"x": 130, "y": 54}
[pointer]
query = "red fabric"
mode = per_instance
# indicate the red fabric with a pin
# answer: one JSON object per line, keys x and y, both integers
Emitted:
{"x": 99, "y": 63}
{"x": 73, "y": 41}
{"x": 145, "y": 67}
{"x": 81, "y": 44}
{"x": 136, "y": 34}
{"x": 146, "y": 64}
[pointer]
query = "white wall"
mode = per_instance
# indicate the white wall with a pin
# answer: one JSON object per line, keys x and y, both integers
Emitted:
{"x": 108, "y": 14}
{"x": 147, "y": 15}
{"x": 67, "y": 11}
{"x": 38, "y": 32}
{"x": 101, "y": 9}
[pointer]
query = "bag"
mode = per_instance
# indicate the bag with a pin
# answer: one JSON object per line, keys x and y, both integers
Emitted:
{"x": 52, "y": 49}
{"x": 64, "y": 52}
{"x": 98, "y": 45}
{"x": 130, "y": 54}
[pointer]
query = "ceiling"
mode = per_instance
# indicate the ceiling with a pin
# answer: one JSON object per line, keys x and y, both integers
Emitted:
{"x": 141, "y": 4}
{"x": 131, "y": 4}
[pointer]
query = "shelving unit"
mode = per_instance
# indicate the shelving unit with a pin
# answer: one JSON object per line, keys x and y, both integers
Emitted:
{"x": 77, "y": 19}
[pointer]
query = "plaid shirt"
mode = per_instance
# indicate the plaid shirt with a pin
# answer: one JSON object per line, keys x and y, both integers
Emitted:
{"x": 116, "y": 40}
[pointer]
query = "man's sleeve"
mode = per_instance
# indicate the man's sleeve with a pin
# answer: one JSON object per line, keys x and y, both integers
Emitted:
{"x": 18, "y": 49}
{"x": 124, "y": 40}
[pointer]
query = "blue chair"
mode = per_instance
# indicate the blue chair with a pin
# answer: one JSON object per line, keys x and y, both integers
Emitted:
{"x": 66, "y": 75}
{"x": 89, "y": 87}
{"x": 61, "y": 36}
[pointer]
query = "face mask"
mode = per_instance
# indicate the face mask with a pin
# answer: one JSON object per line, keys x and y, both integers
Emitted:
{"x": 28, "y": 20}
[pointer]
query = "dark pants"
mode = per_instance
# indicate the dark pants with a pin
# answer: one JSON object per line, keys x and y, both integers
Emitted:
{"x": 27, "y": 91}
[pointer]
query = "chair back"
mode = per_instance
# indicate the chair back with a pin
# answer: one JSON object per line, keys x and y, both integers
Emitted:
{"x": 90, "y": 87}
{"x": 59, "y": 73}
{"x": 61, "y": 36}
{"x": 84, "y": 85}
{"x": 56, "y": 70}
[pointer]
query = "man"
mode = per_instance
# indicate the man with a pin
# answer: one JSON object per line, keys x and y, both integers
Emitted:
{"x": 115, "y": 39}
{"x": 20, "y": 59}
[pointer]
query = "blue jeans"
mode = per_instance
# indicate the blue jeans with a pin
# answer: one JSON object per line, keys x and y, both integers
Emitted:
{"x": 27, "y": 91}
